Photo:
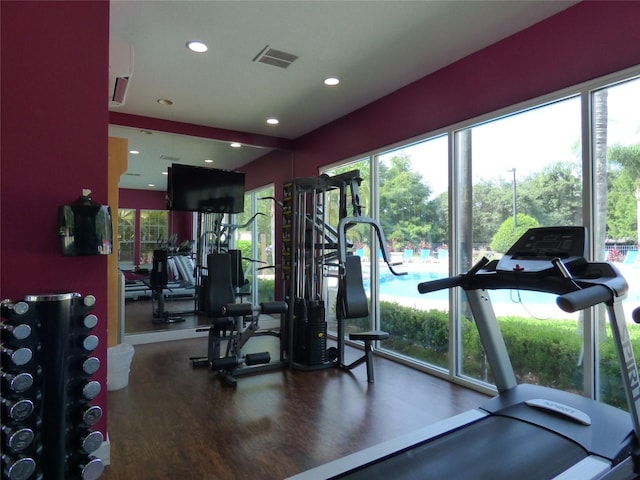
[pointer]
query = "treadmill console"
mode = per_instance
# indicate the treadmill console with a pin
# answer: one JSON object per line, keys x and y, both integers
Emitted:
{"x": 535, "y": 250}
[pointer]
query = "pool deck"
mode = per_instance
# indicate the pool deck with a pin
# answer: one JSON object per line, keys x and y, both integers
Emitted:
{"x": 541, "y": 310}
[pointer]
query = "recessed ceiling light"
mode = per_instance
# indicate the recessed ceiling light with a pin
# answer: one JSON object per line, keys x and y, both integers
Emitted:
{"x": 197, "y": 47}
{"x": 165, "y": 173}
{"x": 134, "y": 152}
{"x": 235, "y": 145}
{"x": 331, "y": 81}
{"x": 146, "y": 132}
{"x": 164, "y": 101}
{"x": 150, "y": 185}
{"x": 208, "y": 160}
{"x": 273, "y": 121}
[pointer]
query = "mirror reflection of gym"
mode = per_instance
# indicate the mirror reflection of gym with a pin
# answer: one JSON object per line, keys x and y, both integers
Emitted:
{"x": 161, "y": 150}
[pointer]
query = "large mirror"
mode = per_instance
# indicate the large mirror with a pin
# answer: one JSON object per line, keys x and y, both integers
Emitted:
{"x": 145, "y": 224}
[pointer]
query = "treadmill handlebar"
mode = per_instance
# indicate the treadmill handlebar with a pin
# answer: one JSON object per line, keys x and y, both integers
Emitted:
{"x": 450, "y": 282}
{"x": 440, "y": 284}
{"x": 585, "y": 298}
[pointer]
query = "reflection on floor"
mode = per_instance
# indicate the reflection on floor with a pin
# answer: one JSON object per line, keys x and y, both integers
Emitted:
{"x": 174, "y": 421}
{"x": 139, "y": 316}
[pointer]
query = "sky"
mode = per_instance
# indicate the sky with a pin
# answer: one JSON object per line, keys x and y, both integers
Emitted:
{"x": 529, "y": 141}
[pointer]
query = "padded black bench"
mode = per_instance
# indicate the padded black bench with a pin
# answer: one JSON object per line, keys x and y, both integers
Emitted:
{"x": 367, "y": 338}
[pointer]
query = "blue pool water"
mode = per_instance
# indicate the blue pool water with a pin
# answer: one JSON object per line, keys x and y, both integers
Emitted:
{"x": 407, "y": 286}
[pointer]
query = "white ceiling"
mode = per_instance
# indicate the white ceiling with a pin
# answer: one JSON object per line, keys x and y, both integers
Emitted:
{"x": 374, "y": 47}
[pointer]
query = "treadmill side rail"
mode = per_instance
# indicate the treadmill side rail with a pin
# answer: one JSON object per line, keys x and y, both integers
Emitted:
{"x": 591, "y": 468}
{"x": 372, "y": 454}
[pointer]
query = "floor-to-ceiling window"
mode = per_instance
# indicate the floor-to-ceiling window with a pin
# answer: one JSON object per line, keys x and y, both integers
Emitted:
{"x": 255, "y": 238}
{"x": 126, "y": 237}
{"x": 360, "y": 239}
{"x": 150, "y": 233}
{"x": 616, "y": 154}
{"x": 449, "y": 199}
{"x": 154, "y": 232}
{"x": 413, "y": 206}
{"x": 515, "y": 173}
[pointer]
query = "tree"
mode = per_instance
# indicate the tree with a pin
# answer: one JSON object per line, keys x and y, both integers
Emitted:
{"x": 404, "y": 205}
{"x": 492, "y": 203}
{"x": 358, "y": 233}
{"x": 624, "y": 192}
{"x": 553, "y": 195}
{"x": 508, "y": 234}
{"x": 438, "y": 211}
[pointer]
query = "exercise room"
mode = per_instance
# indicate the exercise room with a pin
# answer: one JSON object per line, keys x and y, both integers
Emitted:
{"x": 311, "y": 240}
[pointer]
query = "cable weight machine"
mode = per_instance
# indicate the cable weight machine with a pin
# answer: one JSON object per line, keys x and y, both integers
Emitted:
{"x": 232, "y": 322}
{"x": 311, "y": 247}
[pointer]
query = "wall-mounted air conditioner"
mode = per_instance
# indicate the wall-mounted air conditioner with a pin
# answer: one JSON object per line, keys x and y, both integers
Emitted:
{"x": 120, "y": 71}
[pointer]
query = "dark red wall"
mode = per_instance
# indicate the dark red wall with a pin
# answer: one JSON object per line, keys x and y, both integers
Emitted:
{"x": 144, "y": 199}
{"x": 55, "y": 64}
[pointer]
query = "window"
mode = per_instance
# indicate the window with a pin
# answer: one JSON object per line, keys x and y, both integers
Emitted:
{"x": 515, "y": 173}
{"x": 616, "y": 146}
{"x": 126, "y": 237}
{"x": 154, "y": 232}
{"x": 255, "y": 238}
{"x": 413, "y": 186}
{"x": 445, "y": 202}
{"x": 359, "y": 237}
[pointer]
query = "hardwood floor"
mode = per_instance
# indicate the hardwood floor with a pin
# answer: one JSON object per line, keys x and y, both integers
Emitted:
{"x": 177, "y": 422}
{"x": 139, "y": 316}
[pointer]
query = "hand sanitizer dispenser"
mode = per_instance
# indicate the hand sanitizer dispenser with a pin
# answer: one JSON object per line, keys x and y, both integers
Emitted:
{"x": 85, "y": 227}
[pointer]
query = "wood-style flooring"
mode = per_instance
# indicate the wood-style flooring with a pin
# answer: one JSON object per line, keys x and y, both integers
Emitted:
{"x": 139, "y": 316}
{"x": 177, "y": 422}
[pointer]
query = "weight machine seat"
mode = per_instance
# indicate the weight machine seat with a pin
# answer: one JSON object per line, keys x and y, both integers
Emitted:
{"x": 351, "y": 295}
{"x": 237, "y": 273}
{"x": 158, "y": 281}
{"x": 367, "y": 338}
{"x": 353, "y": 303}
{"x": 220, "y": 293}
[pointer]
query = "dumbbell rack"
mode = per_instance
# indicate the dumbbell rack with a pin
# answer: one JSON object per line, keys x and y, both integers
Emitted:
{"x": 46, "y": 395}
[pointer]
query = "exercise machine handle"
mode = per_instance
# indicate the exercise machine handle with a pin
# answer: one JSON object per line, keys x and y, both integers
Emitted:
{"x": 581, "y": 299}
{"x": 440, "y": 284}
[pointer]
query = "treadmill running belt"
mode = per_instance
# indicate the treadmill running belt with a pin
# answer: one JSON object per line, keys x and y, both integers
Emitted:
{"x": 495, "y": 448}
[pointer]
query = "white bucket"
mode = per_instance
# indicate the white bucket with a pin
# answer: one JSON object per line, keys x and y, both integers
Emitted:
{"x": 118, "y": 365}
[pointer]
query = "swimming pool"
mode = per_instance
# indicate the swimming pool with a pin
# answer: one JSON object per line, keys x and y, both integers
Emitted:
{"x": 407, "y": 286}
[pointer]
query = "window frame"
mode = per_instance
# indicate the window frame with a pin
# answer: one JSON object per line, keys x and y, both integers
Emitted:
{"x": 583, "y": 91}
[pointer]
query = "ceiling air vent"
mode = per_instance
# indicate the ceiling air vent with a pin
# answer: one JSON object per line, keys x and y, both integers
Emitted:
{"x": 170, "y": 158}
{"x": 276, "y": 58}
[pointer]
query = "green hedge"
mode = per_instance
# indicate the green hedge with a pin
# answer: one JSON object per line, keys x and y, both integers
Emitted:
{"x": 545, "y": 352}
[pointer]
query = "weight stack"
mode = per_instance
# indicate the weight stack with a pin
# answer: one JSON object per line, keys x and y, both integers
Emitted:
{"x": 46, "y": 425}
{"x": 310, "y": 333}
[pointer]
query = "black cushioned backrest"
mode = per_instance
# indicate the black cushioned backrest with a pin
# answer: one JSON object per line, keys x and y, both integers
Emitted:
{"x": 351, "y": 294}
{"x": 219, "y": 288}
{"x": 237, "y": 274}
{"x": 159, "y": 275}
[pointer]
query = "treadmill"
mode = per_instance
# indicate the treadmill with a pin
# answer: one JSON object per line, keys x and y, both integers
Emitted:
{"x": 526, "y": 431}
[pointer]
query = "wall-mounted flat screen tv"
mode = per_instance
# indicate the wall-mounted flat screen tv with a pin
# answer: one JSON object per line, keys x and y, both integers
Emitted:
{"x": 200, "y": 189}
